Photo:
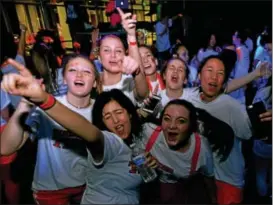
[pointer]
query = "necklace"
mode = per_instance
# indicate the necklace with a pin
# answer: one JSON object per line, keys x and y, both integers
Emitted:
{"x": 79, "y": 107}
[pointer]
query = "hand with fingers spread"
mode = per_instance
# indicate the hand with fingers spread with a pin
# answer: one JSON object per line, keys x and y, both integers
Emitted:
{"x": 23, "y": 84}
{"x": 128, "y": 22}
{"x": 129, "y": 65}
{"x": 151, "y": 161}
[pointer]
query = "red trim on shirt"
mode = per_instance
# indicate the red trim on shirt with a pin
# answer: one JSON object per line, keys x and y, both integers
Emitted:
{"x": 160, "y": 81}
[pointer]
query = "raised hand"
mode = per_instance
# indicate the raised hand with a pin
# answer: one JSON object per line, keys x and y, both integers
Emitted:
{"x": 23, "y": 27}
{"x": 23, "y": 84}
{"x": 151, "y": 161}
{"x": 129, "y": 65}
{"x": 128, "y": 22}
{"x": 95, "y": 35}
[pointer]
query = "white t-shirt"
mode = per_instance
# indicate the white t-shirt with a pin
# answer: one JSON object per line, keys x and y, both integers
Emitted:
{"x": 62, "y": 88}
{"x": 229, "y": 111}
{"x": 57, "y": 166}
{"x": 193, "y": 75}
{"x": 126, "y": 85}
{"x": 165, "y": 99}
{"x": 162, "y": 41}
{"x": 112, "y": 181}
{"x": 5, "y": 101}
{"x": 175, "y": 165}
{"x": 249, "y": 44}
{"x": 240, "y": 70}
{"x": 262, "y": 55}
{"x": 15, "y": 99}
{"x": 261, "y": 148}
{"x": 202, "y": 54}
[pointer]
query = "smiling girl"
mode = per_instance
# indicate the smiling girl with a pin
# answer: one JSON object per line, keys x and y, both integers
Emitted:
{"x": 120, "y": 71}
{"x": 60, "y": 171}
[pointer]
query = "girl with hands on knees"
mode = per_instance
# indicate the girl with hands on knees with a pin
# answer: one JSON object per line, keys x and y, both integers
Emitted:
{"x": 120, "y": 71}
{"x": 60, "y": 152}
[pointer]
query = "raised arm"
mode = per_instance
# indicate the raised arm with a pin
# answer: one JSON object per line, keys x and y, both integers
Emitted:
{"x": 129, "y": 24}
{"x": 94, "y": 47}
{"x": 263, "y": 70}
{"x": 26, "y": 85}
{"x": 22, "y": 41}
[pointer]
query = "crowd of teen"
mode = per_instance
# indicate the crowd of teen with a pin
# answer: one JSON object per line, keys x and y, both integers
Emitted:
{"x": 85, "y": 112}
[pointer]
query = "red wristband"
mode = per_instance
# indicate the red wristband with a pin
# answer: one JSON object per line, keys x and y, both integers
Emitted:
{"x": 134, "y": 43}
{"x": 49, "y": 103}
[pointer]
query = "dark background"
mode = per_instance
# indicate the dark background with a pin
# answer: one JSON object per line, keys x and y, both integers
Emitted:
{"x": 222, "y": 17}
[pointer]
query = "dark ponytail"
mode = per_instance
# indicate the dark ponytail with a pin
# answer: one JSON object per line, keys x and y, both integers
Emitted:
{"x": 219, "y": 134}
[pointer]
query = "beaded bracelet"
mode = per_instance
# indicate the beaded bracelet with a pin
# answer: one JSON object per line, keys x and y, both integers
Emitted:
{"x": 49, "y": 103}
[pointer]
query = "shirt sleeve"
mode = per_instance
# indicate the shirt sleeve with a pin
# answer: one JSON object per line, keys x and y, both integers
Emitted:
{"x": 113, "y": 146}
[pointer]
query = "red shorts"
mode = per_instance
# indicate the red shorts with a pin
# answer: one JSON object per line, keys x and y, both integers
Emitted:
{"x": 59, "y": 197}
{"x": 7, "y": 159}
{"x": 228, "y": 194}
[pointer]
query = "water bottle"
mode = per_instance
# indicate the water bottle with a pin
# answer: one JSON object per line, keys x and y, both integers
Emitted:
{"x": 148, "y": 174}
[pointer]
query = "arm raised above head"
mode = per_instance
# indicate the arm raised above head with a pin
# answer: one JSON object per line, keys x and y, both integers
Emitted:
{"x": 24, "y": 84}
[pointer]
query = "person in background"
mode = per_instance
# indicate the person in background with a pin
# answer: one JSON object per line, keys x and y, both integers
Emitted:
{"x": 264, "y": 32}
{"x": 183, "y": 53}
{"x": 61, "y": 165}
{"x": 10, "y": 50}
{"x": 141, "y": 37}
{"x": 163, "y": 44}
{"x": 209, "y": 47}
{"x": 249, "y": 41}
{"x": 262, "y": 148}
{"x": 262, "y": 52}
{"x": 242, "y": 64}
{"x": 94, "y": 53}
{"x": 77, "y": 19}
{"x": 150, "y": 63}
{"x": 11, "y": 188}
{"x": 47, "y": 54}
